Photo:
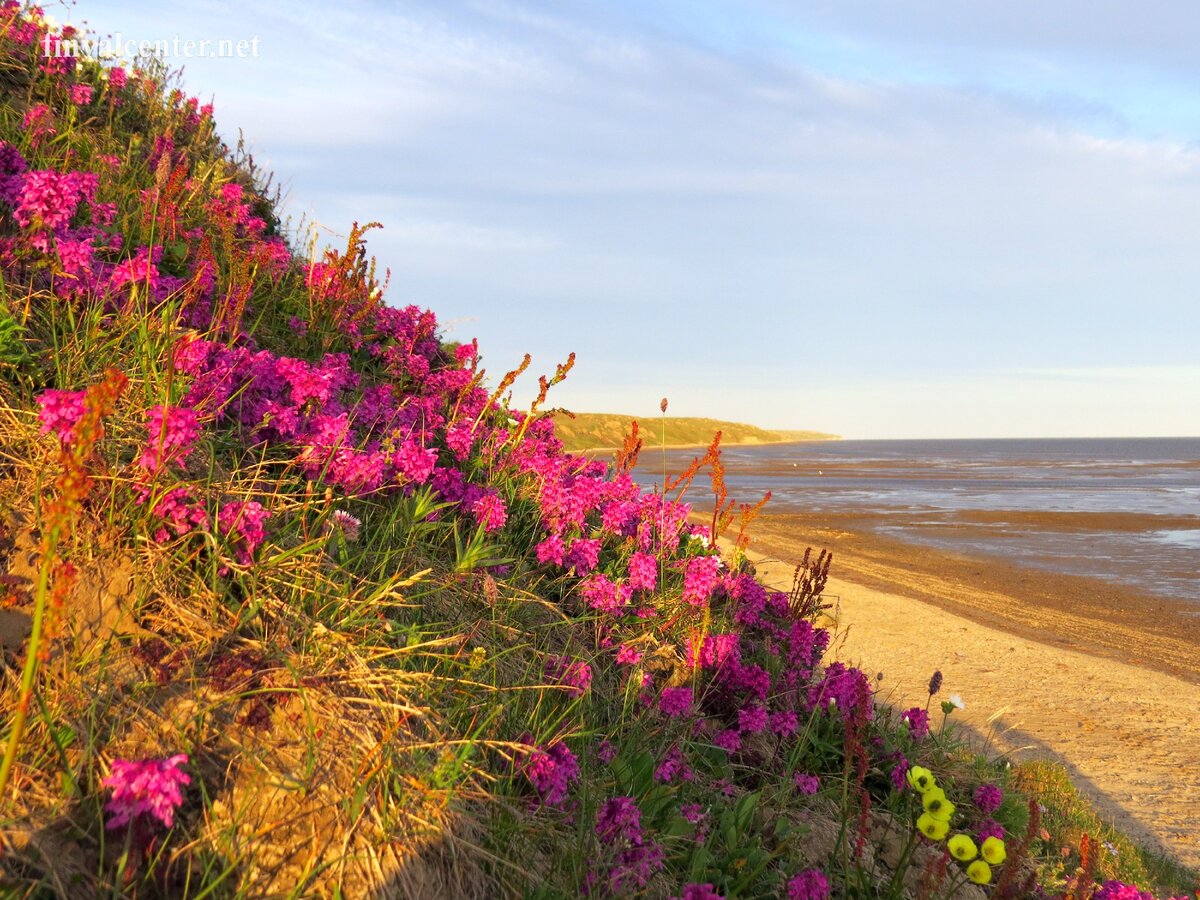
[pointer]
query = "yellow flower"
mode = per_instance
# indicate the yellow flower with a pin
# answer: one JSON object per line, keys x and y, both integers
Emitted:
{"x": 932, "y": 828}
{"x": 979, "y": 872}
{"x": 993, "y": 850}
{"x": 962, "y": 848}
{"x": 937, "y": 805}
{"x": 921, "y": 779}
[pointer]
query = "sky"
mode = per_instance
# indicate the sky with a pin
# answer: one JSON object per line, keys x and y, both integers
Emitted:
{"x": 877, "y": 218}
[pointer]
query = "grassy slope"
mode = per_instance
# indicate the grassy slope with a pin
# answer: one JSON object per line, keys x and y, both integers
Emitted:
{"x": 361, "y": 711}
{"x": 586, "y": 431}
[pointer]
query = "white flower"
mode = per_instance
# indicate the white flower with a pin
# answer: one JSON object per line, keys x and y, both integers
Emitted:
{"x": 957, "y": 701}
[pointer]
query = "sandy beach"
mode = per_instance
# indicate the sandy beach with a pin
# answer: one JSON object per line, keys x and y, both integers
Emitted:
{"x": 1098, "y": 677}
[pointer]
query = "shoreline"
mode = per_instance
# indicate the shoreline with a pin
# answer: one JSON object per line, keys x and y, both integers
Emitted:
{"x": 1042, "y": 671}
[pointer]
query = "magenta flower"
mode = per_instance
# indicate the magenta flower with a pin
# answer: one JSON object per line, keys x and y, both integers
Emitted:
{"x": 628, "y": 655}
{"x": 990, "y": 828}
{"x": 988, "y": 798}
{"x": 676, "y": 701}
{"x": 151, "y": 786}
{"x": 60, "y": 411}
{"x": 807, "y": 784}
{"x": 918, "y": 722}
{"x": 810, "y": 884}
{"x": 751, "y": 719}
{"x": 643, "y": 572}
{"x": 619, "y": 818}
{"x": 572, "y": 674}
{"x": 551, "y": 770}
{"x": 700, "y": 892}
{"x": 700, "y": 578}
{"x": 899, "y": 775}
{"x": 171, "y": 433}
{"x": 551, "y": 550}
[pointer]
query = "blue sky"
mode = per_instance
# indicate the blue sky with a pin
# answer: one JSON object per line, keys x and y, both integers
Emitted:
{"x": 881, "y": 218}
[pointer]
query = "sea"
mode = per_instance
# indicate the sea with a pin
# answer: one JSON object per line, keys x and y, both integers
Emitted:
{"x": 1125, "y": 510}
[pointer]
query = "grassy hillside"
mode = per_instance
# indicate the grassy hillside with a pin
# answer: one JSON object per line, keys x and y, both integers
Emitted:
{"x": 586, "y": 431}
{"x": 292, "y": 606}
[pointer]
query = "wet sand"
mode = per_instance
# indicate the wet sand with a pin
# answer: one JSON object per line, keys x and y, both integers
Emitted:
{"x": 1101, "y": 677}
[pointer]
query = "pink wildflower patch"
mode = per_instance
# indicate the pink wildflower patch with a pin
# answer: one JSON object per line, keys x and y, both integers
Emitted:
{"x": 628, "y": 655}
{"x": 643, "y": 572}
{"x": 569, "y": 673}
{"x": 807, "y": 784}
{"x": 151, "y": 786}
{"x": 551, "y": 770}
{"x": 704, "y": 891}
{"x": 676, "y": 701}
{"x": 60, "y": 412}
{"x": 988, "y": 798}
{"x": 700, "y": 578}
{"x": 172, "y": 432}
{"x": 917, "y": 720}
{"x": 811, "y": 884}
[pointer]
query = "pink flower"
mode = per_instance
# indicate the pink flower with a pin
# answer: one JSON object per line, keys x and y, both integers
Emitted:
{"x": 81, "y": 94}
{"x": 573, "y": 674}
{"x": 172, "y": 432}
{"x": 700, "y": 578}
{"x": 899, "y": 773}
{"x": 60, "y": 412}
{"x": 551, "y": 770}
{"x": 751, "y": 719}
{"x": 700, "y": 892}
{"x": 988, "y": 798}
{"x": 810, "y": 884}
{"x": 918, "y": 724}
{"x": 551, "y": 550}
{"x": 676, "y": 701}
{"x": 582, "y": 555}
{"x": 151, "y": 786}
{"x": 628, "y": 655}
{"x": 242, "y": 523}
{"x": 990, "y": 828}
{"x": 643, "y": 572}
{"x": 489, "y": 511}
{"x": 729, "y": 740}
{"x": 348, "y": 525}
{"x": 807, "y": 784}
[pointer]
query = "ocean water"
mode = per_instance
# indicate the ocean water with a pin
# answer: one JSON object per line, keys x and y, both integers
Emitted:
{"x": 1125, "y": 510}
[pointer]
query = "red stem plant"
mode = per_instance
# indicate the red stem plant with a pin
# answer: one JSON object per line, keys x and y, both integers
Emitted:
{"x": 55, "y": 575}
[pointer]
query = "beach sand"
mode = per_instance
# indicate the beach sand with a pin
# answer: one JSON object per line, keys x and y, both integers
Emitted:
{"x": 1100, "y": 678}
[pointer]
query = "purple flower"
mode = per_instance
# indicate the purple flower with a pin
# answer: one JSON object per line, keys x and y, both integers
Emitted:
{"x": 693, "y": 812}
{"x": 918, "y": 722}
{"x": 619, "y": 818}
{"x": 150, "y": 786}
{"x": 990, "y": 828}
{"x": 988, "y": 798}
{"x": 810, "y": 884}
{"x": 699, "y": 892}
{"x": 729, "y": 740}
{"x": 752, "y": 719}
{"x": 573, "y": 674}
{"x": 673, "y": 766}
{"x": 807, "y": 784}
{"x": 676, "y": 701}
{"x": 551, "y": 770}
{"x": 899, "y": 775}
{"x": 784, "y": 723}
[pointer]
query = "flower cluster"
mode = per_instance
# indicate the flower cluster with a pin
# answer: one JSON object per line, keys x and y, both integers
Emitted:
{"x": 934, "y": 823}
{"x": 152, "y": 787}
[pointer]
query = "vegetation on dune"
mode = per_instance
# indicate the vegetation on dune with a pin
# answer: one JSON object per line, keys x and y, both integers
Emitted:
{"x": 294, "y": 605}
{"x": 587, "y": 431}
